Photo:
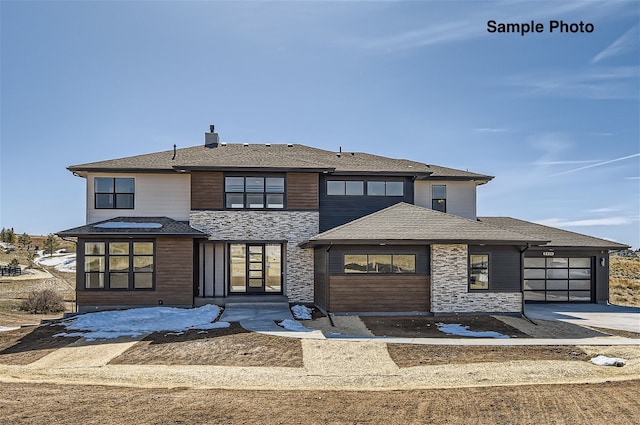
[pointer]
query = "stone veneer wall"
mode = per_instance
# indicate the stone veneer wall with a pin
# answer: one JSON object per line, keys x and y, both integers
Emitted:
{"x": 450, "y": 283}
{"x": 292, "y": 226}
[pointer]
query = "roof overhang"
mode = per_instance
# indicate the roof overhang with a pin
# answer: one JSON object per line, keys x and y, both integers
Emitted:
{"x": 313, "y": 243}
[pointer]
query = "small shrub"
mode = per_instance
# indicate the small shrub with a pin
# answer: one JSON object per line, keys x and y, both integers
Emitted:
{"x": 45, "y": 301}
{"x": 14, "y": 263}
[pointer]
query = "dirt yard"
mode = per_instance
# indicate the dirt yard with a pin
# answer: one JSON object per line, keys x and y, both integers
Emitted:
{"x": 231, "y": 346}
{"x": 426, "y": 326}
{"x": 607, "y": 403}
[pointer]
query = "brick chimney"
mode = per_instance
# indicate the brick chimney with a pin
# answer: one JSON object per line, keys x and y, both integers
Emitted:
{"x": 211, "y": 139}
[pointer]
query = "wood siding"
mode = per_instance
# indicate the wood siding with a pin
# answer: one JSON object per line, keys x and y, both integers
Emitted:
{"x": 504, "y": 267}
{"x": 174, "y": 280}
{"x": 302, "y": 191}
{"x": 207, "y": 190}
{"x": 320, "y": 278}
{"x": 156, "y": 195}
{"x": 338, "y": 210}
{"x": 379, "y": 293}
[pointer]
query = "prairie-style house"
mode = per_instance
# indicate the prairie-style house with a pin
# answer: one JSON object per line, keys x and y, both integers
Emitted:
{"x": 350, "y": 232}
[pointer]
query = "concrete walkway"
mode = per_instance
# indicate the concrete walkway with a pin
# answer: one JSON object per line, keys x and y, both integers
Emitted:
{"x": 597, "y": 315}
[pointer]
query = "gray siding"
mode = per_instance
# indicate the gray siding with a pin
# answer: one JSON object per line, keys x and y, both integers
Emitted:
{"x": 338, "y": 210}
{"x": 504, "y": 267}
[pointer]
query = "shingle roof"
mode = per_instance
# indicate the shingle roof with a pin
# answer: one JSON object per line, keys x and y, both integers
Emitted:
{"x": 130, "y": 226}
{"x": 406, "y": 223}
{"x": 274, "y": 156}
{"x": 557, "y": 237}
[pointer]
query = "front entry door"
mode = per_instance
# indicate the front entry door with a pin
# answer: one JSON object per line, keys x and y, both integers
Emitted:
{"x": 255, "y": 268}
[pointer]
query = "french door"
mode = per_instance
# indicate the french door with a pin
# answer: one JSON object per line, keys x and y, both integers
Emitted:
{"x": 255, "y": 268}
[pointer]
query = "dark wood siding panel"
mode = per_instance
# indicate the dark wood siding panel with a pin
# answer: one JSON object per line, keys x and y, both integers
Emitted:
{"x": 302, "y": 191}
{"x": 320, "y": 278}
{"x": 337, "y": 255}
{"x": 504, "y": 266}
{"x": 174, "y": 280}
{"x": 383, "y": 293}
{"x": 338, "y": 210}
{"x": 207, "y": 190}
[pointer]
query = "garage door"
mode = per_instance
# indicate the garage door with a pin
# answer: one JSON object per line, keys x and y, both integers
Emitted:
{"x": 558, "y": 279}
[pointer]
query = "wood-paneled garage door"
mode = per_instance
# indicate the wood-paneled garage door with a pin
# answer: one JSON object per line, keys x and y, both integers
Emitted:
{"x": 558, "y": 279}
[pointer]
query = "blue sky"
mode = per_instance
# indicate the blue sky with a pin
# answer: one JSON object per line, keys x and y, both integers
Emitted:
{"x": 554, "y": 116}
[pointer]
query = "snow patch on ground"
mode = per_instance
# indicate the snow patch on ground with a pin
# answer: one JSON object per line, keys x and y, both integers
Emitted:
{"x": 140, "y": 321}
{"x": 8, "y": 328}
{"x": 301, "y": 312}
{"x": 458, "y": 329}
{"x": 63, "y": 262}
{"x": 608, "y": 361}
{"x": 293, "y": 325}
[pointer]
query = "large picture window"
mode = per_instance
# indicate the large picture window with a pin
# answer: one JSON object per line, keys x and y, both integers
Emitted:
{"x": 119, "y": 265}
{"x": 479, "y": 271}
{"x": 254, "y": 192}
{"x": 379, "y": 263}
{"x": 114, "y": 193}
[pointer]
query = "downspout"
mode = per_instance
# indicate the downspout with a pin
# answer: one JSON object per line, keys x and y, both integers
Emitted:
{"x": 522, "y": 251}
{"x": 326, "y": 294}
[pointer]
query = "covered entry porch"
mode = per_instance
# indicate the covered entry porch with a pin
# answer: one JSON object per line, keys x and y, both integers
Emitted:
{"x": 239, "y": 269}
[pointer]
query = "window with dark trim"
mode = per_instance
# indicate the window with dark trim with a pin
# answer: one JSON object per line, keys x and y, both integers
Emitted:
{"x": 479, "y": 271}
{"x": 439, "y": 198}
{"x": 114, "y": 192}
{"x": 242, "y": 192}
{"x": 357, "y": 188}
{"x": 119, "y": 265}
{"x": 379, "y": 263}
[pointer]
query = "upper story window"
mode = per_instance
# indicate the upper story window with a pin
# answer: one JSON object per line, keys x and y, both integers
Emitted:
{"x": 114, "y": 192}
{"x": 254, "y": 192}
{"x": 357, "y": 188}
{"x": 439, "y": 197}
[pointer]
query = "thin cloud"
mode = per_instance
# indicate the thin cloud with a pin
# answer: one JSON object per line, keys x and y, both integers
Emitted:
{"x": 605, "y": 83}
{"x": 632, "y": 178}
{"x": 606, "y": 221}
{"x": 604, "y": 134}
{"x": 625, "y": 42}
{"x": 491, "y": 130}
{"x": 598, "y": 164}
{"x": 439, "y": 30}
{"x": 602, "y": 210}
{"x": 566, "y": 162}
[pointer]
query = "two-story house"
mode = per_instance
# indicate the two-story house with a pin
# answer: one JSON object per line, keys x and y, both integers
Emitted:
{"x": 346, "y": 231}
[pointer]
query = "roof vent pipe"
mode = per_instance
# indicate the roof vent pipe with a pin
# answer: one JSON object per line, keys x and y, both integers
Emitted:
{"x": 211, "y": 139}
{"x": 174, "y": 152}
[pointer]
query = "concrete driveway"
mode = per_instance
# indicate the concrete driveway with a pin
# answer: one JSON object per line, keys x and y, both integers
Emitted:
{"x": 598, "y": 315}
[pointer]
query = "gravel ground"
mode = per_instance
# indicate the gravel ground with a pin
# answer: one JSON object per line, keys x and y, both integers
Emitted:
{"x": 328, "y": 364}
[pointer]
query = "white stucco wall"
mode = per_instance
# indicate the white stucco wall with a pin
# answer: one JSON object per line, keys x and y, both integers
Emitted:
{"x": 461, "y": 196}
{"x": 156, "y": 195}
